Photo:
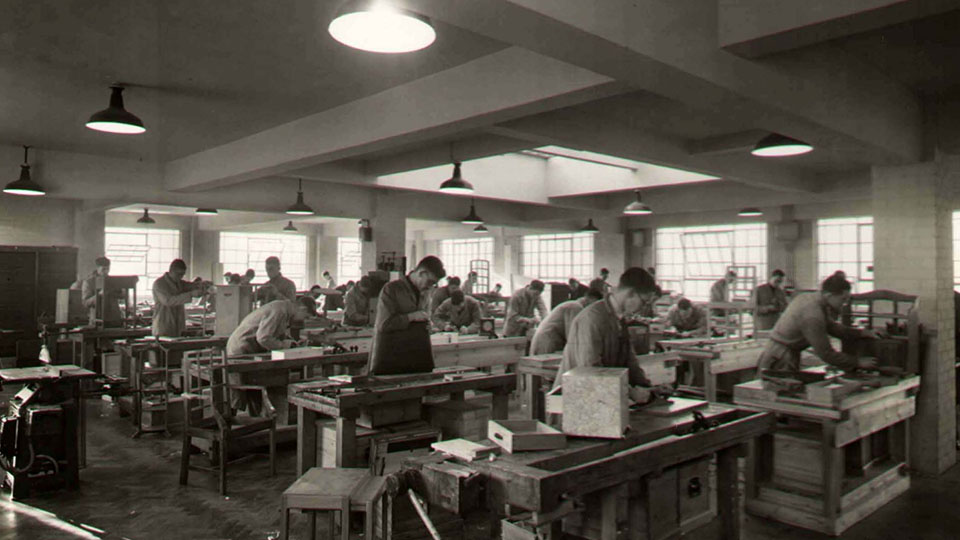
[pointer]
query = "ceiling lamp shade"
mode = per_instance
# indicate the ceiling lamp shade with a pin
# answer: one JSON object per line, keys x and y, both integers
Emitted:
{"x": 456, "y": 184}
{"x": 472, "y": 218}
{"x": 207, "y": 211}
{"x": 637, "y": 207}
{"x": 750, "y": 211}
{"x": 776, "y": 145}
{"x": 145, "y": 218}
{"x": 24, "y": 185}
{"x": 590, "y": 228}
{"x": 375, "y": 26}
{"x": 300, "y": 208}
{"x": 116, "y": 119}
{"x": 290, "y": 227}
{"x": 481, "y": 229}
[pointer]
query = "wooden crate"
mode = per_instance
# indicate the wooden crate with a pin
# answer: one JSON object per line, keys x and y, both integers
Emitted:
{"x": 395, "y": 412}
{"x": 525, "y": 435}
{"x": 328, "y": 445}
{"x": 459, "y": 419}
{"x": 797, "y": 459}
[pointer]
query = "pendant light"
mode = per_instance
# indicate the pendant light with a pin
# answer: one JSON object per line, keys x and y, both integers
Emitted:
{"x": 24, "y": 185}
{"x": 481, "y": 229}
{"x": 472, "y": 218}
{"x": 300, "y": 208}
{"x": 637, "y": 207}
{"x": 290, "y": 227}
{"x": 750, "y": 211}
{"x": 376, "y": 26}
{"x": 776, "y": 145}
{"x": 145, "y": 218}
{"x": 590, "y": 228}
{"x": 456, "y": 184}
{"x": 207, "y": 211}
{"x": 116, "y": 119}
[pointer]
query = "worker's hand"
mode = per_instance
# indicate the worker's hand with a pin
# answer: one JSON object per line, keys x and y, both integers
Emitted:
{"x": 663, "y": 391}
{"x": 417, "y": 316}
{"x": 464, "y": 330}
{"x": 640, "y": 394}
{"x": 867, "y": 363}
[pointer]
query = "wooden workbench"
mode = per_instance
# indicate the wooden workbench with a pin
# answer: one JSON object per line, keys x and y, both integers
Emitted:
{"x": 345, "y": 407}
{"x": 546, "y": 483}
{"x": 828, "y": 466}
{"x": 707, "y": 359}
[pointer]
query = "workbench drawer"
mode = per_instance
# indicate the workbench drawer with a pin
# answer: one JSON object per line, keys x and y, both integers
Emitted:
{"x": 525, "y": 435}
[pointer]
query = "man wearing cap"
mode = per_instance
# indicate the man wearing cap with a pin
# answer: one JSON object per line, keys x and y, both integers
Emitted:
{"x": 401, "y": 335}
{"x": 90, "y": 291}
{"x": 459, "y": 313}
{"x": 278, "y": 287}
{"x": 170, "y": 293}
{"x": 265, "y": 329}
{"x": 520, "y": 319}
{"x": 356, "y": 310}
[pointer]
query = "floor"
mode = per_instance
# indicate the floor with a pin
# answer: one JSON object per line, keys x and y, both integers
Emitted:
{"x": 130, "y": 490}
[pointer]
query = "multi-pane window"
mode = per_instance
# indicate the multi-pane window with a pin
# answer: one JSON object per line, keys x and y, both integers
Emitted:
{"x": 348, "y": 260}
{"x": 456, "y": 254}
{"x": 846, "y": 244}
{"x": 558, "y": 257}
{"x": 146, "y": 253}
{"x": 690, "y": 259}
{"x": 239, "y": 251}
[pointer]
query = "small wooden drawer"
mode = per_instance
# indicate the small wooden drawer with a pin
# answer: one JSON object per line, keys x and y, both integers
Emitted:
{"x": 525, "y": 435}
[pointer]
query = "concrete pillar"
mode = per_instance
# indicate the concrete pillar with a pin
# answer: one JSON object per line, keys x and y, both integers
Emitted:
{"x": 783, "y": 233}
{"x": 326, "y": 259}
{"x": 389, "y": 224}
{"x": 205, "y": 261}
{"x": 913, "y": 254}
{"x": 88, "y": 236}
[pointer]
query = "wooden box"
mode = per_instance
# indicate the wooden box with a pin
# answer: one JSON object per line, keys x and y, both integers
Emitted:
{"x": 453, "y": 487}
{"x": 234, "y": 302}
{"x": 459, "y": 419}
{"x": 521, "y": 435}
{"x": 70, "y": 308}
{"x": 595, "y": 402}
{"x": 798, "y": 459}
{"x": 328, "y": 445}
{"x": 390, "y": 413}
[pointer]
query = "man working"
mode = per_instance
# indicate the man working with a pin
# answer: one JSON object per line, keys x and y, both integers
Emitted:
{"x": 170, "y": 293}
{"x": 520, "y": 319}
{"x": 687, "y": 318}
{"x": 552, "y": 333}
{"x": 401, "y": 339}
{"x": 90, "y": 292}
{"x": 577, "y": 289}
{"x": 720, "y": 290}
{"x": 357, "y": 304}
{"x": 459, "y": 313}
{"x": 469, "y": 286}
{"x": 278, "y": 287}
{"x": 441, "y": 294}
{"x": 265, "y": 329}
{"x": 600, "y": 283}
{"x": 247, "y": 277}
{"x": 598, "y": 336}
{"x": 770, "y": 300}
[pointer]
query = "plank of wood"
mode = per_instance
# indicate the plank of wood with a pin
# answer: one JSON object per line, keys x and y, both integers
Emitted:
{"x": 874, "y": 417}
{"x": 464, "y": 449}
{"x": 672, "y": 407}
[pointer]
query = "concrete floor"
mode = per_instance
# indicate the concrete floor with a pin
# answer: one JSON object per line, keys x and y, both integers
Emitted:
{"x": 130, "y": 490}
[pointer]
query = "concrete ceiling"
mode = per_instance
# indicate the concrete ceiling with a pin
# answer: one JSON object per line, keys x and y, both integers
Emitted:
{"x": 239, "y": 92}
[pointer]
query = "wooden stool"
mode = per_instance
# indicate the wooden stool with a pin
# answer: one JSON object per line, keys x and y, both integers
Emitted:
{"x": 335, "y": 490}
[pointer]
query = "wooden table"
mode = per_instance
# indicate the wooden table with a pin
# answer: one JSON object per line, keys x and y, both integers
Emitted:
{"x": 545, "y": 483}
{"x": 346, "y": 406}
{"x": 535, "y": 371}
{"x": 831, "y": 465}
{"x": 710, "y": 358}
{"x": 91, "y": 339}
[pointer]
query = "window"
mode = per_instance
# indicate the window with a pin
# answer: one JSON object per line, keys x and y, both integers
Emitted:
{"x": 348, "y": 260}
{"x": 558, "y": 257}
{"x": 690, "y": 259}
{"x": 956, "y": 251}
{"x": 239, "y": 251}
{"x": 846, "y": 244}
{"x": 457, "y": 254}
{"x": 141, "y": 252}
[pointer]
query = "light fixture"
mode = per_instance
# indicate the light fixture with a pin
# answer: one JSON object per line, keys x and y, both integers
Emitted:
{"x": 481, "y": 229}
{"x": 375, "y": 26}
{"x": 637, "y": 207}
{"x": 290, "y": 227}
{"x": 24, "y": 185}
{"x": 116, "y": 119}
{"x": 207, "y": 211}
{"x": 750, "y": 211}
{"x": 300, "y": 208}
{"x": 472, "y": 218}
{"x": 776, "y": 145}
{"x": 145, "y": 218}
{"x": 456, "y": 183}
{"x": 590, "y": 228}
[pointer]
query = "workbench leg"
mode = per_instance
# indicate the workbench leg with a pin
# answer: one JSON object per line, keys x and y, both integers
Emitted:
{"x": 306, "y": 440}
{"x": 346, "y": 442}
{"x": 532, "y": 397}
{"x": 759, "y": 464}
{"x": 709, "y": 382}
{"x": 608, "y": 514}
{"x": 728, "y": 493}
{"x": 832, "y": 472}
{"x": 501, "y": 405}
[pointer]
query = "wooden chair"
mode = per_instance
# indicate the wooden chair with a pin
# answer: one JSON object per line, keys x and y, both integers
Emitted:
{"x": 222, "y": 428}
{"x": 337, "y": 491}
